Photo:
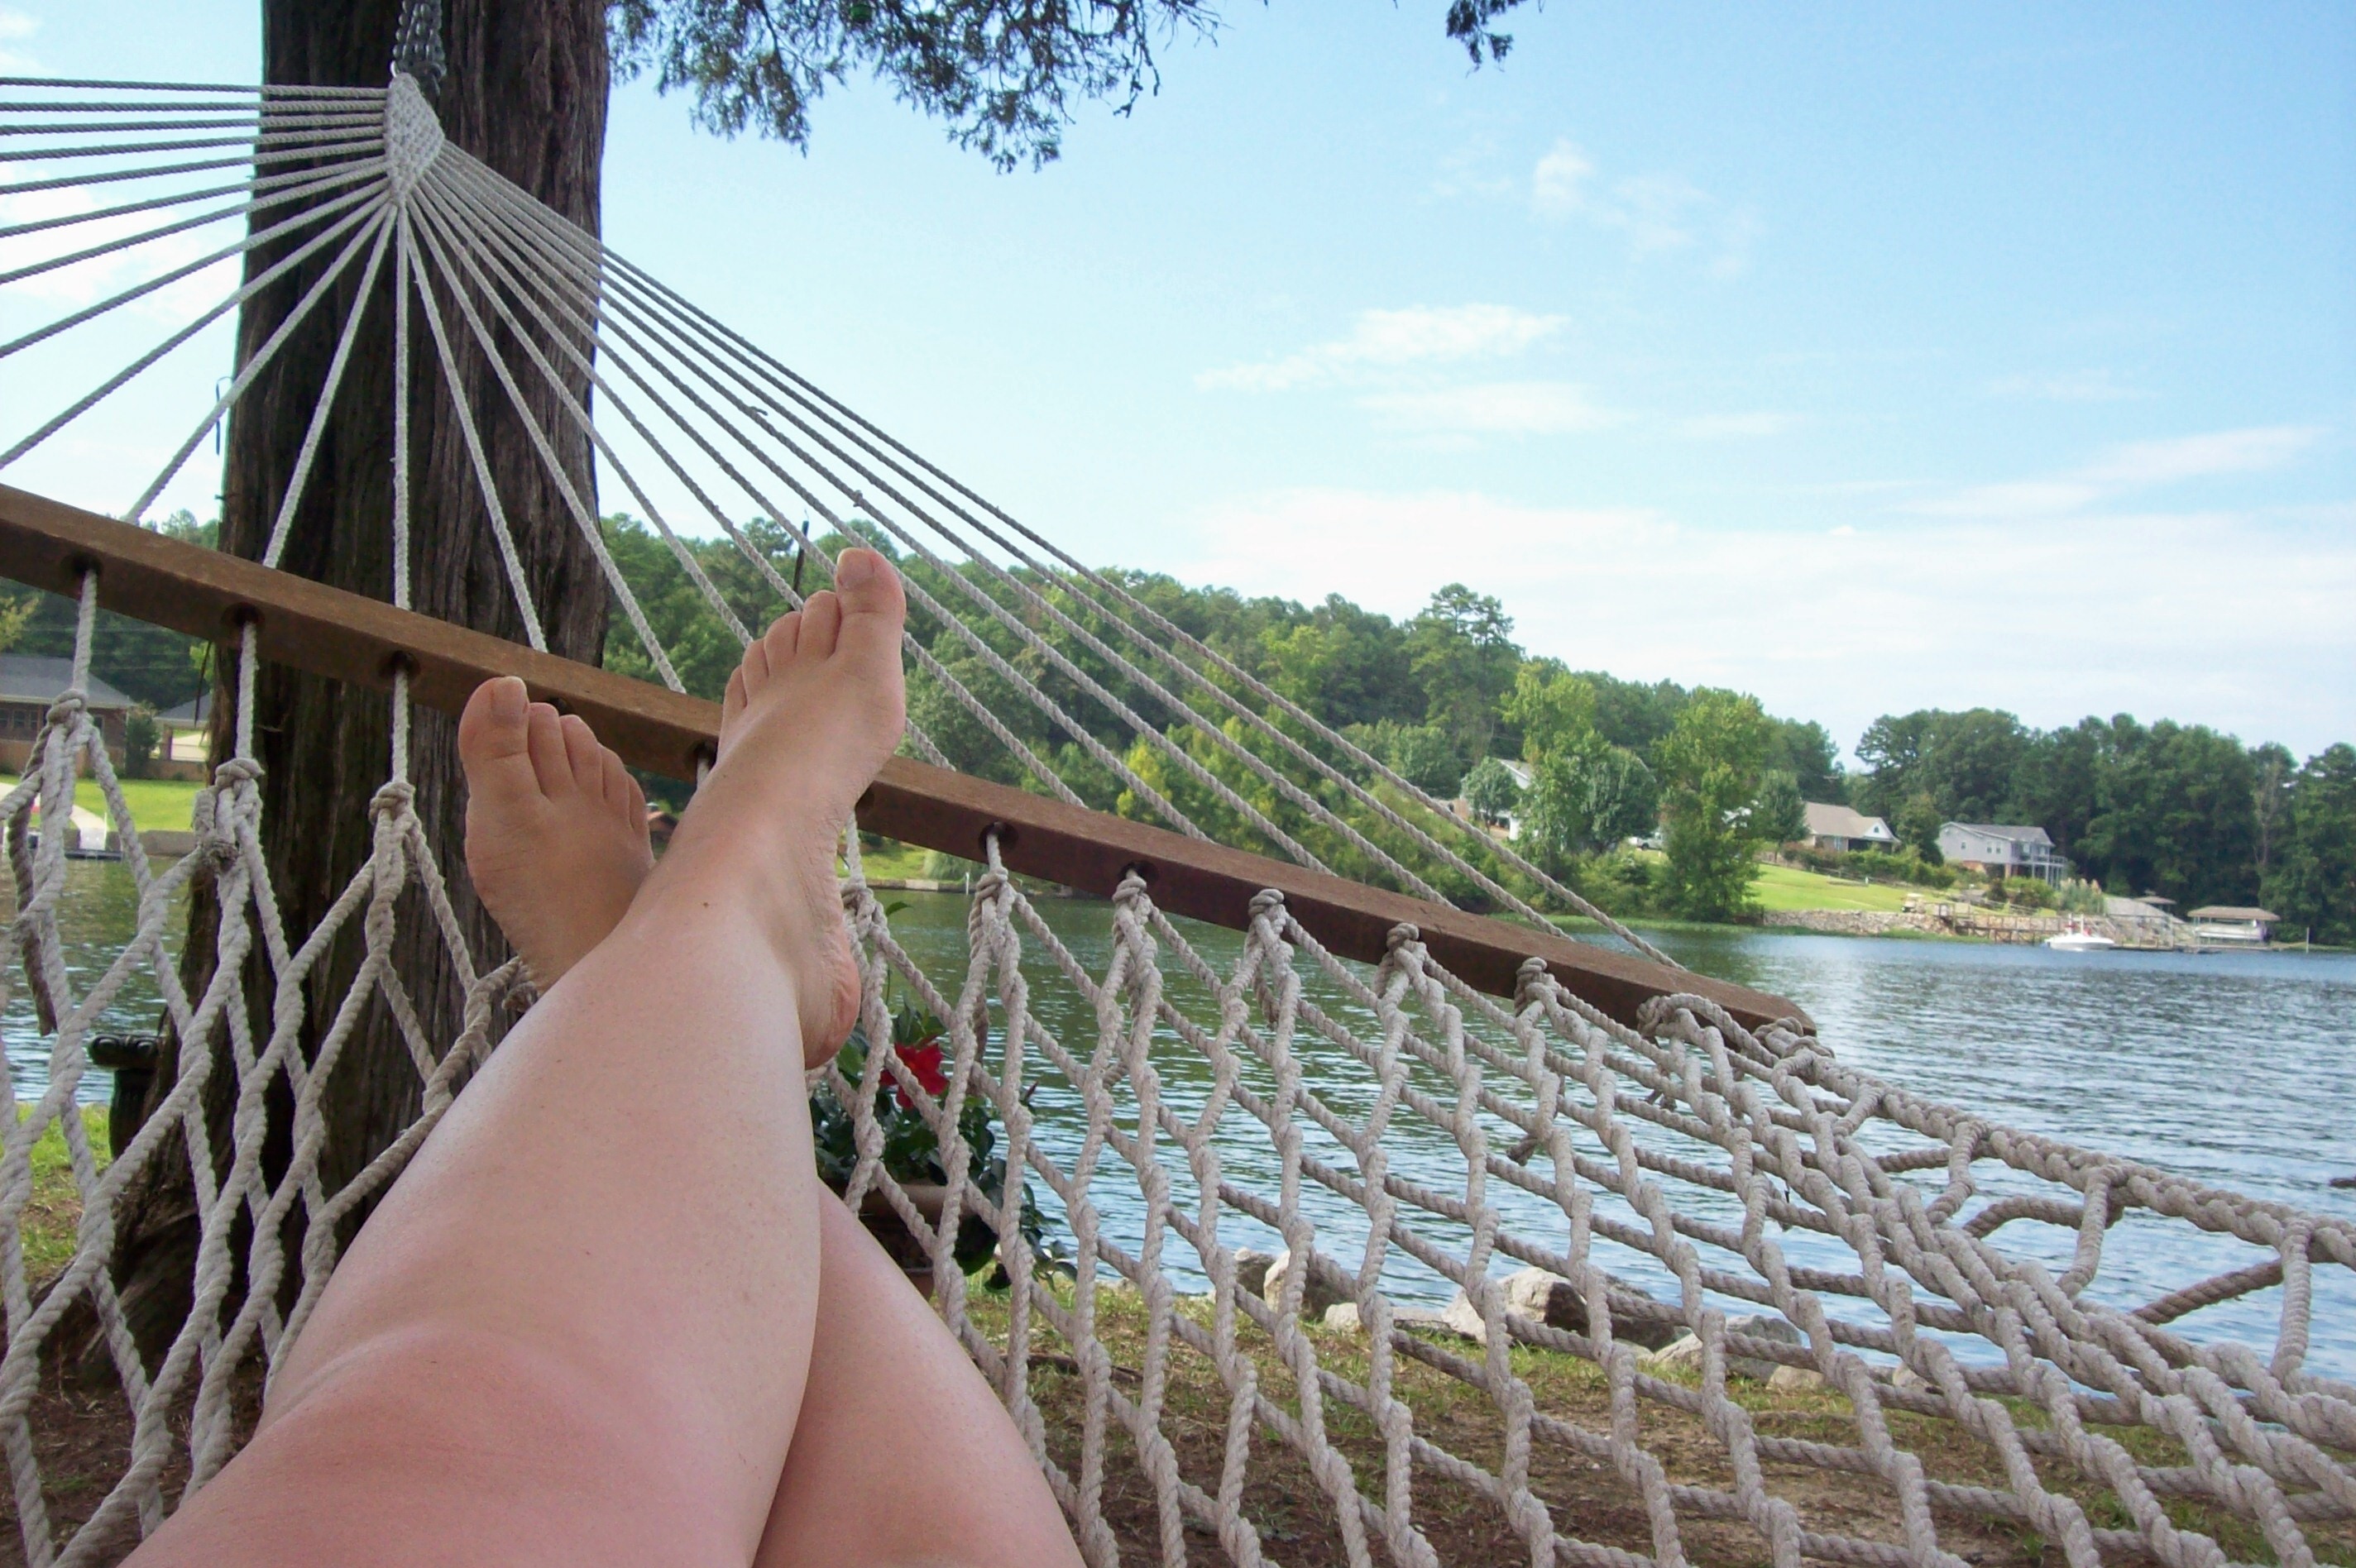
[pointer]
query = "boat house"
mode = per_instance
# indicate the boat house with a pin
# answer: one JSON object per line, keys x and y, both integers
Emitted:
{"x": 2000, "y": 849}
{"x": 2234, "y": 923}
{"x": 1839, "y": 828}
{"x": 28, "y": 685}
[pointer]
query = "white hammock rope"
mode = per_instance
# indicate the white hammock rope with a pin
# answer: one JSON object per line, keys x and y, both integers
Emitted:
{"x": 1170, "y": 1100}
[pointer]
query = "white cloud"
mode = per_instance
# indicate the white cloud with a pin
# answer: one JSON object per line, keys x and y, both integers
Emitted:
{"x": 2023, "y": 498}
{"x": 1559, "y": 185}
{"x": 2127, "y": 467}
{"x": 1724, "y": 427}
{"x": 1845, "y": 626}
{"x": 1418, "y": 335}
{"x": 14, "y": 27}
{"x": 2069, "y": 386}
{"x": 1658, "y": 212}
{"x": 2199, "y": 456}
{"x": 1492, "y": 408}
{"x": 72, "y": 287}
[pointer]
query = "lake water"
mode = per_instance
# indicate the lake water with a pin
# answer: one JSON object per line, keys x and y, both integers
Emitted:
{"x": 2233, "y": 1069}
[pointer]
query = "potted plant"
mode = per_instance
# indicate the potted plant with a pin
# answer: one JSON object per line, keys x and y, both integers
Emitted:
{"x": 912, "y": 1154}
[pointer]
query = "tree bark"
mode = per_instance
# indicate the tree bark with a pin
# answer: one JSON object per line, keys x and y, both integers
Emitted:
{"x": 525, "y": 92}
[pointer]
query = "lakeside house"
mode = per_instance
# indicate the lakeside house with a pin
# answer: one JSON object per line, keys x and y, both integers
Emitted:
{"x": 1522, "y": 776}
{"x": 2234, "y": 923}
{"x": 183, "y": 729}
{"x": 1839, "y": 828}
{"x": 1509, "y": 824}
{"x": 2002, "y": 849}
{"x": 29, "y": 685}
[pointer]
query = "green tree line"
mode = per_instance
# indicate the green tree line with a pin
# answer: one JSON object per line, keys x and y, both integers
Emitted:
{"x": 1448, "y": 699}
{"x": 2176, "y": 809}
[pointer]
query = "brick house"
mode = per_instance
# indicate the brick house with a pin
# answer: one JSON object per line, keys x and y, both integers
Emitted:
{"x": 28, "y": 685}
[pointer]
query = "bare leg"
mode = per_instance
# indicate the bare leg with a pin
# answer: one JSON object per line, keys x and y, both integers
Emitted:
{"x": 578, "y": 1329}
{"x": 890, "y": 1389}
{"x": 903, "y": 1455}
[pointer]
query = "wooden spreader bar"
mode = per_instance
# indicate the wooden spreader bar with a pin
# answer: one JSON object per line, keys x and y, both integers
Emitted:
{"x": 205, "y": 593}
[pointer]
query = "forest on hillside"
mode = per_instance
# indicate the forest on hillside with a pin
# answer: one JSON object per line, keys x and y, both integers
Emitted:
{"x": 1445, "y": 695}
{"x": 2177, "y": 809}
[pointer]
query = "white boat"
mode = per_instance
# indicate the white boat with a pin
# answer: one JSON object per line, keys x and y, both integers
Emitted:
{"x": 2077, "y": 938}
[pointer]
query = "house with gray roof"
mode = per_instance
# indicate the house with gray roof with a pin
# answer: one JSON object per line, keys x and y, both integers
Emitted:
{"x": 29, "y": 684}
{"x": 2002, "y": 849}
{"x": 1839, "y": 828}
{"x": 186, "y": 729}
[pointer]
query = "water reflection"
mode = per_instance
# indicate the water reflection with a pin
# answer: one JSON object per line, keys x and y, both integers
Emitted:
{"x": 96, "y": 916}
{"x": 2232, "y": 1068}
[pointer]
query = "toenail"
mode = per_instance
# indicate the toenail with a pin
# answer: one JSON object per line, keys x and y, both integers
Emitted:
{"x": 855, "y": 569}
{"x": 508, "y": 698}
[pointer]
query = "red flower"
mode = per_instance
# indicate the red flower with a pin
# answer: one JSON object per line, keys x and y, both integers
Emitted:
{"x": 923, "y": 1061}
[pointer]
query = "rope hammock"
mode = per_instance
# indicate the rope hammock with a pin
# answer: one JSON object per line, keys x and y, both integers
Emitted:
{"x": 1677, "y": 1205}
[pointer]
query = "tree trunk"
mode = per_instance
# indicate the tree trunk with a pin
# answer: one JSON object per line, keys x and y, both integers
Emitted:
{"x": 525, "y": 92}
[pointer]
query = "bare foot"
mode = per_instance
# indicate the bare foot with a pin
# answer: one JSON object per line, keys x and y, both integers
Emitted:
{"x": 556, "y": 827}
{"x": 810, "y": 715}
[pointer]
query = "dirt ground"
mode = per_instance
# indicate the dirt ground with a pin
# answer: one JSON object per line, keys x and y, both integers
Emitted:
{"x": 83, "y": 1436}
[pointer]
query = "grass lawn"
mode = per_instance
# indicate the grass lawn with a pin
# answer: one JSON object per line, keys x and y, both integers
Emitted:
{"x": 895, "y": 861}
{"x": 1789, "y": 888}
{"x": 155, "y": 802}
{"x": 53, "y": 1214}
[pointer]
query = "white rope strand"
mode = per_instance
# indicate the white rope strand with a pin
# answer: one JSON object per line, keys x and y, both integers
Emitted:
{"x": 583, "y": 516}
{"x": 111, "y": 176}
{"x": 457, "y": 385}
{"x": 307, "y": 185}
{"x": 923, "y": 601}
{"x": 91, "y": 400}
{"x": 373, "y": 234}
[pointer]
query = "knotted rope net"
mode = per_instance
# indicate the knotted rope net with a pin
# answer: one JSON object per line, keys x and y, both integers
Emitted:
{"x": 1350, "y": 1263}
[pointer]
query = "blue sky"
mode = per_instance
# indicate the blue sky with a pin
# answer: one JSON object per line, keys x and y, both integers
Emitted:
{"x": 1864, "y": 358}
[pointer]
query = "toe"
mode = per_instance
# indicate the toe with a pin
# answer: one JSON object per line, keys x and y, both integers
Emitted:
{"x": 544, "y": 737}
{"x": 615, "y": 783}
{"x": 493, "y": 741}
{"x": 781, "y": 641}
{"x": 584, "y": 755}
{"x": 875, "y": 606}
{"x": 821, "y": 620}
{"x": 731, "y": 701}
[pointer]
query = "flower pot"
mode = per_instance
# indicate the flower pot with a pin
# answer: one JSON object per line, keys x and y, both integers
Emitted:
{"x": 884, "y": 1222}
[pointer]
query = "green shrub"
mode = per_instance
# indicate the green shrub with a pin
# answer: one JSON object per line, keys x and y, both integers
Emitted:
{"x": 1906, "y": 865}
{"x": 1490, "y": 790}
{"x": 2028, "y": 892}
{"x": 139, "y": 737}
{"x": 1620, "y": 883}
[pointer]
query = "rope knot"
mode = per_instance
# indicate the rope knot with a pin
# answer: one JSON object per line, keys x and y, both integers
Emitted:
{"x": 413, "y": 135}
{"x": 1405, "y": 934}
{"x": 1530, "y": 979}
{"x": 237, "y": 771}
{"x": 1265, "y": 903}
{"x": 67, "y": 708}
{"x": 394, "y": 799}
